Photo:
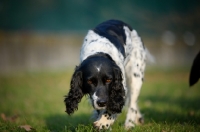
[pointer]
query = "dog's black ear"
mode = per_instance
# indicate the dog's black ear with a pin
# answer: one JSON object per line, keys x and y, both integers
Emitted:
{"x": 195, "y": 70}
{"x": 116, "y": 93}
{"x": 75, "y": 93}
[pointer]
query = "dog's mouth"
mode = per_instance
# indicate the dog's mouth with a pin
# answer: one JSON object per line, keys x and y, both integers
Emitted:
{"x": 98, "y": 102}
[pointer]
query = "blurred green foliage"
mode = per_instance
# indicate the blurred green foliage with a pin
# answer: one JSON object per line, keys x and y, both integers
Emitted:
{"x": 67, "y": 15}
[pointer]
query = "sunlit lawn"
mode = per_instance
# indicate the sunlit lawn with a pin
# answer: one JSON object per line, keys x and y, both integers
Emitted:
{"x": 36, "y": 99}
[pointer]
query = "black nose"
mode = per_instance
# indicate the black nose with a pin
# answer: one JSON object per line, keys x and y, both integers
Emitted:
{"x": 101, "y": 103}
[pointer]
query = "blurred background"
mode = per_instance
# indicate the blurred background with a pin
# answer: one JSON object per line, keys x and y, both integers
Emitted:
{"x": 47, "y": 34}
{"x": 40, "y": 42}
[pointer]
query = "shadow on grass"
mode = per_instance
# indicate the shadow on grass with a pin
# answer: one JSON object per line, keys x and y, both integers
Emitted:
{"x": 180, "y": 110}
{"x": 65, "y": 123}
{"x": 163, "y": 109}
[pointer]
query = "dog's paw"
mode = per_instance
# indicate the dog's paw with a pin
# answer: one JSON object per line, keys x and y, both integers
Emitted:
{"x": 130, "y": 122}
{"x": 139, "y": 121}
{"x": 104, "y": 122}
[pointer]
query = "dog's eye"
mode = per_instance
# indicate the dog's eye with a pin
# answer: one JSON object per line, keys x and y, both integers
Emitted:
{"x": 108, "y": 80}
{"x": 89, "y": 82}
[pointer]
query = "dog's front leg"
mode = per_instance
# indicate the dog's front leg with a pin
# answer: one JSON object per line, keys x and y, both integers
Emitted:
{"x": 104, "y": 120}
{"x": 134, "y": 117}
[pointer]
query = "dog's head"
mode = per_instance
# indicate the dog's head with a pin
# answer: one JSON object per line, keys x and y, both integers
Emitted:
{"x": 100, "y": 78}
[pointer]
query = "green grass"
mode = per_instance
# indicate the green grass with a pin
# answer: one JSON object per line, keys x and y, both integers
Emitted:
{"x": 36, "y": 99}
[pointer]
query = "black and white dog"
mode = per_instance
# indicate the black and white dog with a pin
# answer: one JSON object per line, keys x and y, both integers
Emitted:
{"x": 111, "y": 71}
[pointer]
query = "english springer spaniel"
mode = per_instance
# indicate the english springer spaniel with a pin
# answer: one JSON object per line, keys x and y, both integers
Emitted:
{"x": 111, "y": 70}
